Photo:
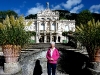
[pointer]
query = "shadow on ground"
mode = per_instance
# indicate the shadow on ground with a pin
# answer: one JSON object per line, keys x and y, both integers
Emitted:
{"x": 2, "y": 61}
{"x": 73, "y": 63}
{"x": 70, "y": 43}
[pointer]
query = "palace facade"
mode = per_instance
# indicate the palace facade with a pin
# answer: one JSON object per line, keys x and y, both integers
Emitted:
{"x": 49, "y": 27}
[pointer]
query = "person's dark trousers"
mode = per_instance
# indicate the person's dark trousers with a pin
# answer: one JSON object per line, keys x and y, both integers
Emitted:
{"x": 51, "y": 68}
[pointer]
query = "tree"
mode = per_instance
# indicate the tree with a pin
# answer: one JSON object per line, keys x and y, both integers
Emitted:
{"x": 83, "y": 17}
{"x": 31, "y": 16}
{"x": 63, "y": 14}
{"x": 96, "y": 16}
{"x": 89, "y": 35}
{"x": 73, "y": 16}
{"x": 65, "y": 33}
{"x": 3, "y": 14}
{"x": 12, "y": 31}
{"x": 32, "y": 33}
{"x": 68, "y": 34}
{"x": 11, "y": 12}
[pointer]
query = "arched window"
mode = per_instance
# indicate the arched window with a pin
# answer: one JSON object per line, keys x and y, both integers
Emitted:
{"x": 53, "y": 26}
{"x": 42, "y": 27}
{"x": 66, "y": 28}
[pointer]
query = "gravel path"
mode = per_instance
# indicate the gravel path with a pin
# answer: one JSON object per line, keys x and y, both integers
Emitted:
{"x": 28, "y": 63}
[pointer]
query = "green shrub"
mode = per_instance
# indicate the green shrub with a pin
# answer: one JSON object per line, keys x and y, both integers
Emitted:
{"x": 12, "y": 31}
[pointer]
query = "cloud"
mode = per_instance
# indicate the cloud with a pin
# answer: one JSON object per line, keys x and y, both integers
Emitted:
{"x": 70, "y": 3}
{"x": 95, "y": 8}
{"x": 56, "y": 7}
{"x": 36, "y": 9}
{"x": 77, "y": 8}
{"x": 23, "y": 4}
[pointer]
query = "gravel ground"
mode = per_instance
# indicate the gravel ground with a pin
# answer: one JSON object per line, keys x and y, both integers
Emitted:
{"x": 28, "y": 62}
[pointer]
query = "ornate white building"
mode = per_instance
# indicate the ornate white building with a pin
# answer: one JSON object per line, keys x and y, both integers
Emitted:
{"x": 48, "y": 27}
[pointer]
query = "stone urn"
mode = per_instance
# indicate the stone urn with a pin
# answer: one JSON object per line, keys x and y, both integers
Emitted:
{"x": 95, "y": 65}
{"x": 11, "y": 54}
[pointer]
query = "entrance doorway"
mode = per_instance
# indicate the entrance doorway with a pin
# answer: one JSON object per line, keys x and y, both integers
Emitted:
{"x": 48, "y": 38}
{"x": 54, "y": 38}
{"x": 41, "y": 39}
{"x": 58, "y": 38}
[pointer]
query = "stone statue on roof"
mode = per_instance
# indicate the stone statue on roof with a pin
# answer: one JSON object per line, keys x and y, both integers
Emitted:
{"x": 47, "y": 3}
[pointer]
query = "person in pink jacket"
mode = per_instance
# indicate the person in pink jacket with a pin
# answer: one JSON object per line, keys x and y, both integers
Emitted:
{"x": 52, "y": 58}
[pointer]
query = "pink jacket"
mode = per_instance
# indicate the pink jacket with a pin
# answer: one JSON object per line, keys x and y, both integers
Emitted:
{"x": 55, "y": 56}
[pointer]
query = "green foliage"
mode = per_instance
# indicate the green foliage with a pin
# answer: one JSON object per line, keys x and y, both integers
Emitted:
{"x": 70, "y": 32}
{"x": 89, "y": 35}
{"x": 12, "y": 31}
{"x": 31, "y": 16}
{"x": 65, "y": 33}
{"x": 32, "y": 33}
{"x": 96, "y": 16}
{"x": 83, "y": 17}
{"x": 3, "y": 14}
{"x": 63, "y": 14}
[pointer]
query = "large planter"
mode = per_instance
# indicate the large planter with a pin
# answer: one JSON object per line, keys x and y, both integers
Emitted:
{"x": 11, "y": 54}
{"x": 97, "y": 56}
{"x": 95, "y": 65}
{"x": 95, "y": 68}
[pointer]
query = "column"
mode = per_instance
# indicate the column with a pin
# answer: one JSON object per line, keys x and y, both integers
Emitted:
{"x": 39, "y": 30}
{"x": 56, "y": 38}
{"x": 56, "y": 33}
{"x": 50, "y": 36}
{"x": 50, "y": 25}
{"x": 45, "y": 26}
{"x": 45, "y": 32}
{"x": 37, "y": 40}
{"x": 56, "y": 26}
{"x": 45, "y": 37}
{"x": 37, "y": 33}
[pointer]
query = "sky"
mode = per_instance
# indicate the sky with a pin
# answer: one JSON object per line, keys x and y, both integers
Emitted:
{"x": 26, "y": 7}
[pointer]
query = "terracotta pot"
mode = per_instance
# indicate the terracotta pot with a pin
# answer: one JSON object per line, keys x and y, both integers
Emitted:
{"x": 11, "y": 53}
{"x": 97, "y": 56}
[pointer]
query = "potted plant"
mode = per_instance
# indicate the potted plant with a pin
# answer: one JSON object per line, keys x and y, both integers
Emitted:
{"x": 13, "y": 37}
{"x": 89, "y": 35}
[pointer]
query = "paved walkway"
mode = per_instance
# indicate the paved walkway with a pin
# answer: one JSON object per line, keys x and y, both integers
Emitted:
{"x": 28, "y": 57}
{"x": 30, "y": 62}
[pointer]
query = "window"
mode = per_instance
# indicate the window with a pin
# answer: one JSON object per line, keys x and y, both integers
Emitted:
{"x": 66, "y": 28}
{"x": 42, "y": 27}
{"x": 53, "y": 26}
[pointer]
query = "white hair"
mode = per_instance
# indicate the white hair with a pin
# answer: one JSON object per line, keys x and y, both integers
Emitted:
{"x": 52, "y": 43}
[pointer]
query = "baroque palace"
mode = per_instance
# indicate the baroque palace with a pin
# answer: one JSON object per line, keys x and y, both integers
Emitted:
{"x": 49, "y": 27}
